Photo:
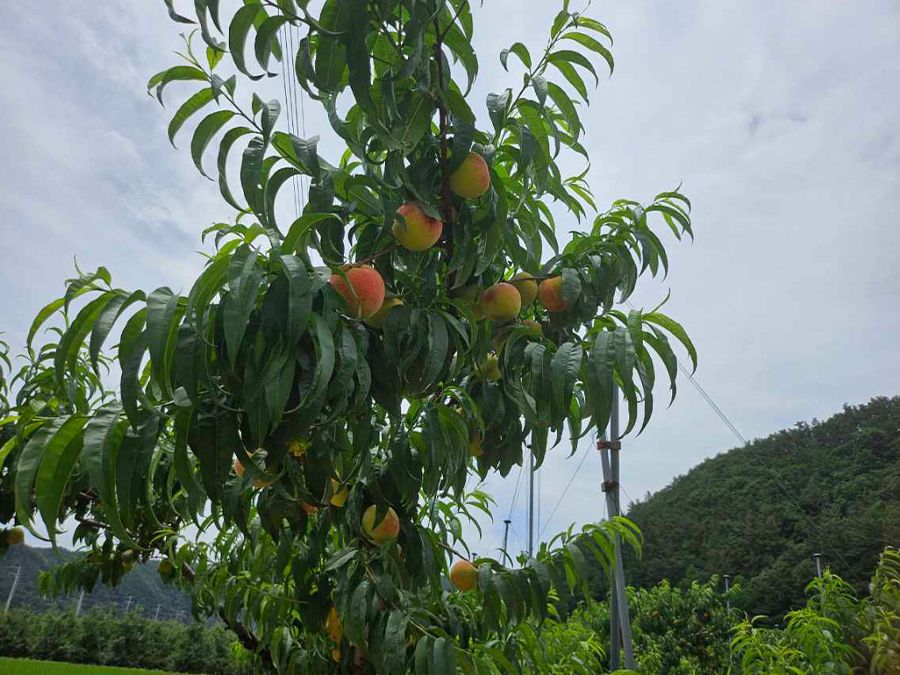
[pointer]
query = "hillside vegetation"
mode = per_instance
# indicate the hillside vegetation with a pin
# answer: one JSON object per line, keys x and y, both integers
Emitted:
{"x": 142, "y": 585}
{"x": 761, "y": 511}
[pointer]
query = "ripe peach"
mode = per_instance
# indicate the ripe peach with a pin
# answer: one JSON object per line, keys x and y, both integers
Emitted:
{"x": 550, "y": 295}
{"x": 309, "y": 508}
{"x": 501, "y": 302}
{"x": 490, "y": 369}
{"x": 339, "y": 494}
{"x": 15, "y": 536}
{"x": 362, "y": 290}
{"x": 377, "y": 319}
{"x": 386, "y": 531}
{"x": 527, "y": 287}
{"x": 472, "y": 179}
{"x": 417, "y": 231}
{"x": 464, "y": 575}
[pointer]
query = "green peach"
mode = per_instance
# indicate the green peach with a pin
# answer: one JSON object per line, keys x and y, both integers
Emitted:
{"x": 472, "y": 179}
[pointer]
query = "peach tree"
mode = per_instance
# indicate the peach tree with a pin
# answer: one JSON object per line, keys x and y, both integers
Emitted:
{"x": 294, "y": 437}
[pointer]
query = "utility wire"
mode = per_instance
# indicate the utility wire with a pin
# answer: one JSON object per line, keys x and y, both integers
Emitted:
{"x": 563, "y": 495}
{"x": 285, "y": 75}
{"x": 512, "y": 504}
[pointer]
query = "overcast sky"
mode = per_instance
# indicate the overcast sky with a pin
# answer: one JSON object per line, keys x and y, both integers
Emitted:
{"x": 780, "y": 119}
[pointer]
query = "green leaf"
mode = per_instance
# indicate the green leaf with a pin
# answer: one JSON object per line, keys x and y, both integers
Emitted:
{"x": 660, "y": 344}
{"x": 104, "y": 323}
{"x": 331, "y": 55}
{"x": 162, "y": 322}
{"x": 59, "y": 458}
{"x": 102, "y": 440}
{"x": 224, "y": 147}
{"x": 566, "y": 107}
{"x": 7, "y": 448}
{"x": 356, "y": 616}
{"x": 72, "y": 340}
{"x": 587, "y": 41}
{"x": 213, "y": 438}
{"x": 245, "y": 279}
{"x": 358, "y": 57}
{"x": 572, "y": 76}
{"x": 243, "y": 19}
{"x": 395, "y": 642}
{"x": 677, "y": 330}
{"x": 422, "y": 653}
{"x": 438, "y": 344}
{"x": 209, "y": 127}
{"x": 300, "y": 227}
{"x": 175, "y": 74}
{"x": 591, "y": 24}
{"x": 519, "y": 50}
{"x": 132, "y": 346}
{"x": 251, "y": 172}
{"x": 577, "y": 58}
{"x": 461, "y": 47}
{"x": 48, "y": 311}
{"x": 188, "y": 108}
{"x": 571, "y": 286}
{"x": 175, "y": 16}
{"x": 265, "y": 35}
{"x": 299, "y": 298}
{"x": 564, "y": 370}
{"x": 27, "y": 468}
{"x": 600, "y": 369}
{"x": 183, "y": 468}
{"x": 132, "y": 464}
{"x": 540, "y": 88}
{"x": 443, "y": 660}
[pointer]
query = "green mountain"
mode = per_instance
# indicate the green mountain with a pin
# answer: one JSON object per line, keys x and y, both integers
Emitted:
{"x": 760, "y": 512}
{"x": 142, "y": 586}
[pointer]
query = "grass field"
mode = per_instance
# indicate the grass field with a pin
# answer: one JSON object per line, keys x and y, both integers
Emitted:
{"x": 29, "y": 667}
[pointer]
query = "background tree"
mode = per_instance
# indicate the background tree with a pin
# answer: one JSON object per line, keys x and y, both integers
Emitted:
{"x": 324, "y": 458}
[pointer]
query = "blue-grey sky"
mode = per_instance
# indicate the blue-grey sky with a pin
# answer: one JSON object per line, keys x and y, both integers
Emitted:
{"x": 779, "y": 119}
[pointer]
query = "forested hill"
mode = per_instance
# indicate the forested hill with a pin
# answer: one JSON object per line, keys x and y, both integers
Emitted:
{"x": 142, "y": 585}
{"x": 761, "y": 511}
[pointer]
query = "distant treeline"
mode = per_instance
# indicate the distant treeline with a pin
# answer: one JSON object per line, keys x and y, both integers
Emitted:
{"x": 101, "y": 637}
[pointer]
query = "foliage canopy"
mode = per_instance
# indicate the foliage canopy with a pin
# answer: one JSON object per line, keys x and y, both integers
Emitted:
{"x": 260, "y": 363}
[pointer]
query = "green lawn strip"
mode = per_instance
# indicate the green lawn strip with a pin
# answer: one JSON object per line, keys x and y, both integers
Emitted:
{"x": 31, "y": 667}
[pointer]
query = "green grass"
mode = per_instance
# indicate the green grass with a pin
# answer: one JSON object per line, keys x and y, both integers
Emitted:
{"x": 29, "y": 667}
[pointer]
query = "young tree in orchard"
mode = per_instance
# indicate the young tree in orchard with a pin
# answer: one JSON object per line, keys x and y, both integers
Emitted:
{"x": 319, "y": 400}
